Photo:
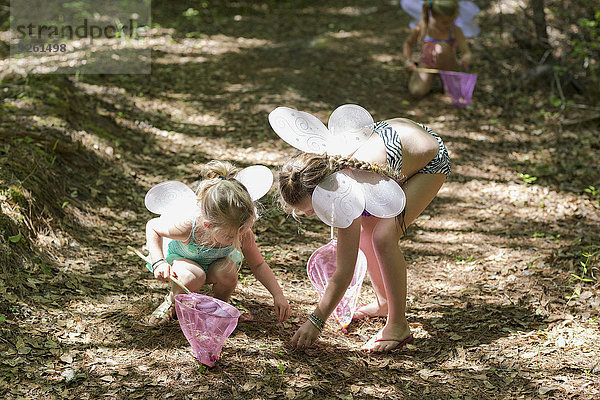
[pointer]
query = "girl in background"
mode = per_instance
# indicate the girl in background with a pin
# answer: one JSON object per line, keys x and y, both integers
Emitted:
{"x": 439, "y": 38}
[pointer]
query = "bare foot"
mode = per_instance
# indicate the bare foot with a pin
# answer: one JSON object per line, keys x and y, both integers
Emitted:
{"x": 388, "y": 339}
{"x": 373, "y": 309}
{"x": 164, "y": 313}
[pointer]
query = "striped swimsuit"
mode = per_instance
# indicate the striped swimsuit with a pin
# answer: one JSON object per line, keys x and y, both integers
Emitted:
{"x": 439, "y": 165}
{"x": 393, "y": 148}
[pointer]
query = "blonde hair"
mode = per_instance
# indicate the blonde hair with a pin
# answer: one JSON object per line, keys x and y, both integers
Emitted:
{"x": 223, "y": 201}
{"x": 437, "y": 8}
{"x": 300, "y": 176}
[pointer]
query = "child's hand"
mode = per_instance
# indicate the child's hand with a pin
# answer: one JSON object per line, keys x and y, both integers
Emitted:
{"x": 282, "y": 308}
{"x": 465, "y": 61}
{"x": 305, "y": 335}
{"x": 162, "y": 271}
{"x": 410, "y": 65}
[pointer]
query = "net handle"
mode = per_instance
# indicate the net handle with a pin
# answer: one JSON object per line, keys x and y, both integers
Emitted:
{"x": 172, "y": 278}
{"x": 428, "y": 70}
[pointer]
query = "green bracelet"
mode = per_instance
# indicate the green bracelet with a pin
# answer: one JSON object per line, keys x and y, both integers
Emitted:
{"x": 316, "y": 321}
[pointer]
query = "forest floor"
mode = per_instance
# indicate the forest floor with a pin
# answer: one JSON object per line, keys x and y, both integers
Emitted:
{"x": 503, "y": 266}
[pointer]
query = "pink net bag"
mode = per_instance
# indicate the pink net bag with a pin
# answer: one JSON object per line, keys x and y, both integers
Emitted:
{"x": 206, "y": 322}
{"x": 320, "y": 268}
{"x": 459, "y": 86}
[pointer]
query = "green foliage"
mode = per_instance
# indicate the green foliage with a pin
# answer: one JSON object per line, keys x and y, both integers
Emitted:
{"x": 593, "y": 192}
{"x": 588, "y": 44}
{"x": 201, "y": 367}
{"x": 527, "y": 179}
{"x": 589, "y": 260}
{"x": 16, "y": 238}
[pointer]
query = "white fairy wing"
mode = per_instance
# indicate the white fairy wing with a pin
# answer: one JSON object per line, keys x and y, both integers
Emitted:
{"x": 300, "y": 129}
{"x": 257, "y": 179}
{"x": 170, "y": 197}
{"x": 414, "y": 8}
{"x": 467, "y": 10}
{"x": 384, "y": 198}
{"x": 338, "y": 200}
{"x": 350, "y": 125}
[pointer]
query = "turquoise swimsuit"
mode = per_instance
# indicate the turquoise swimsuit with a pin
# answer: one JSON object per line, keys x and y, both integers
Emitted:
{"x": 202, "y": 255}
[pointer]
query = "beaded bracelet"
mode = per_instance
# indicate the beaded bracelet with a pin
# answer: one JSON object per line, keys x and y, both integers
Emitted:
{"x": 316, "y": 321}
{"x": 155, "y": 263}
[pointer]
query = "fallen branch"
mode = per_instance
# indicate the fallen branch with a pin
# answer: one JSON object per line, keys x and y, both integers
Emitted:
{"x": 580, "y": 121}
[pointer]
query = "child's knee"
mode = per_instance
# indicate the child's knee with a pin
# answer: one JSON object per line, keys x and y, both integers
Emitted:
{"x": 223, "y": 270}
{"x": 184, "y": 275}
{"x": 384, "y": 242}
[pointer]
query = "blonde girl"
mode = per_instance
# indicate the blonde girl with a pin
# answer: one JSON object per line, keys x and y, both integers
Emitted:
{"x": 416, "y": 157}
{"x": 207, "y": 245}
{"x": 440, "y": 38}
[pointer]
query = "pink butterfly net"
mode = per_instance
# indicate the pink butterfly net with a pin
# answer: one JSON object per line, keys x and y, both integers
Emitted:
{"x": 320, "y": 268}
{"x": 459, "y": 86}
{"x": 206, "y": 322}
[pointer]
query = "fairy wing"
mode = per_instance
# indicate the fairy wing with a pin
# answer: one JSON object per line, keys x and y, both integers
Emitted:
{"x": 350, "y": 125}
{"x": 341, "y": 197}
{"x": 384, "y": 198}
{"x": 258, "y": 179}
{"x": 300, "y": 129}
{"x": 414, "y": 8}
{"x": 170, "y": 197}
{"x": 467, "y": 10}
{"x": 338, "y": 199}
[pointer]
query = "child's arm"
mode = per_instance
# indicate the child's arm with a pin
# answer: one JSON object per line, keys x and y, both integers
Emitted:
{"x": 264, "y": 274}
{"x": 347, "y": 252}
{"x": 156, "y": 230}
{"x": 463, "y": 48}
{"x": 409, "y": 44}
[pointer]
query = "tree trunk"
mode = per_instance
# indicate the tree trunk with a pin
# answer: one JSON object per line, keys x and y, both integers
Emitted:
{"x": 539, "y": 20}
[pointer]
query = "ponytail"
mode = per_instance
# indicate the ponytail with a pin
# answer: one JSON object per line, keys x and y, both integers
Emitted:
{"x": 300, "y": 176}
{"x": 427, "y": 7}
{"x": 223, "y": 201}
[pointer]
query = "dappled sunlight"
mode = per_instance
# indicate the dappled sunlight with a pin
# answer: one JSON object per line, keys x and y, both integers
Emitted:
{"x": 213, "y": 45}
{"x": 500, "y": 301}
{"x": 507, "y": 6}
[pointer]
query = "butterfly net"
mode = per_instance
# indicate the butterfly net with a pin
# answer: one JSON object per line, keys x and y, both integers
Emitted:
{"x": 320, "y": 268}
{"x": 459, "y": 86}
{"x": 206, "y": 322}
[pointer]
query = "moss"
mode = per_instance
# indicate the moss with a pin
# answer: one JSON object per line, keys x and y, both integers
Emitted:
{"x": 17, "y": 197}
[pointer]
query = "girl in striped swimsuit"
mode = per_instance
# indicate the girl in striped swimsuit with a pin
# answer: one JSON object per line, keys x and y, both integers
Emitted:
{"x": 440, "y": 38}
{"x": 416, "y": 157}
{"x": 206, "y": 246}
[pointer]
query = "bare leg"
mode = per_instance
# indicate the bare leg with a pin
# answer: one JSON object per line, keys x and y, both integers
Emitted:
{"x": 223, "y": 275}
{"x": 444, "y": 58}
{"x": 420, "y": 83}
{"x": 420, "y": 191}
{"x": 192, "y": 276}
{"x": 379, "y": 306}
